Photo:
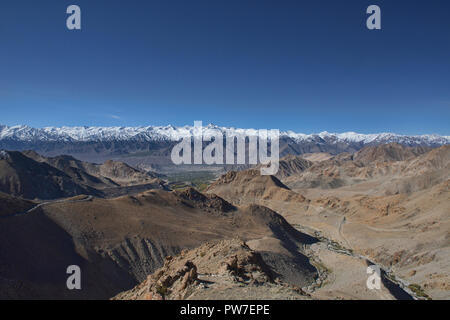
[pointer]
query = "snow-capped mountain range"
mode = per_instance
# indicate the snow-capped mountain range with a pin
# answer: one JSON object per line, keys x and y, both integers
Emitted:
{"x": 170, "y": 133}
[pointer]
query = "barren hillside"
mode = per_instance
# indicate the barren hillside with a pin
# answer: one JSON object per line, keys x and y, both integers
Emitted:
{"x": 118, "y": 242}
{"x": 390, "y": 204}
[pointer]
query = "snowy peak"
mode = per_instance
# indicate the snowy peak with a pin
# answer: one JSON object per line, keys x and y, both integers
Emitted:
{"x": 171, "y": 133}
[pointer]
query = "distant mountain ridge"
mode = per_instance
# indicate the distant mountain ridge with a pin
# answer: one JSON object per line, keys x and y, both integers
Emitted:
{"x": 156, "y": 133}
{"x": 29, "y": 175}
{"x": 150, "y": 147}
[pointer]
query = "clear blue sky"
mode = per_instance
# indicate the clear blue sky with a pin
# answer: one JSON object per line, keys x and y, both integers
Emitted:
{"x": 308, "y": 66}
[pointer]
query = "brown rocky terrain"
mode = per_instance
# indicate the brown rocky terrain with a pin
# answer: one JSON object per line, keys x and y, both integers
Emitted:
{"x": 388, "y": 153}
{"x": 389, "y": 204}
{"x": 316, "y": 157}
{"x": 118, "y": 242}
{"x": 24, "y": 177}
{"x": 309, "y": 232}
{"x": 291, "y": 165}
{"x": 249, "y": 186}
{"x": 32, "y": 176}
{"x": 108, "y": 174}
{"x": 222, "y": 270}
{"x": 12, "y": 205}
{"x": 381, "y": 170}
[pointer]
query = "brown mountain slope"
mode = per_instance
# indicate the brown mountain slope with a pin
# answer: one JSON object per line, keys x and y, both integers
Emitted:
{"x": 125, "y": 175}
{"x": 12, "y": 205}
{"x": 408, "y": 233}
{"x": 388, "y": 204}
{"x": 394, "y": 210}
{"x": 118, "y": 242}
{"x": 222, "y": 270}
{"x": 384, "y": 169}
{"x": 249, "y": 185}
{"x": 316, "y": 157}
{"x": 83, "y": 173}
{"x": 291, "y": 165}
{"x": 30, "y": 175}
{"x": 25, "y": 177}
{"x": 34, "y": 255}
{"x": 388, "y": 152}
{"x": 436, "y": 159}
{"x": 109, "y": 174}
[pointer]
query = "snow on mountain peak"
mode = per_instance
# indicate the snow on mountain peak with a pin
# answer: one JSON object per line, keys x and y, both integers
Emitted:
{"x": 171, "y": 133}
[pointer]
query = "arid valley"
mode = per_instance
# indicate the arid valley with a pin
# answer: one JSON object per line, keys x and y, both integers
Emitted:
{"x": 310, "y": 232}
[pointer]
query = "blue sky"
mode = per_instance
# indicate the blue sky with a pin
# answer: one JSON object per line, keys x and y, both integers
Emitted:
{"x": 306, "y": 66}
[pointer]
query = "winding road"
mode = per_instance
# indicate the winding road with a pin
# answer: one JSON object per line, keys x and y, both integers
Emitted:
{"x": 37, "y": 206}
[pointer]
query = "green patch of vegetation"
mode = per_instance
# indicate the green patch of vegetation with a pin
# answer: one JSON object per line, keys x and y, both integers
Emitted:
{"x": 417, "y": 289}
{"x": 197, "y": 179}
{"x": 202, "y": 186}
{"x": 178, "y": 185}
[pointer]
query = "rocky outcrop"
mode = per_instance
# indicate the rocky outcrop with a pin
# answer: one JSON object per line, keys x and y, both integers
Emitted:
{"x": 214, "y": 267}
{"x": 204, "y": 201}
